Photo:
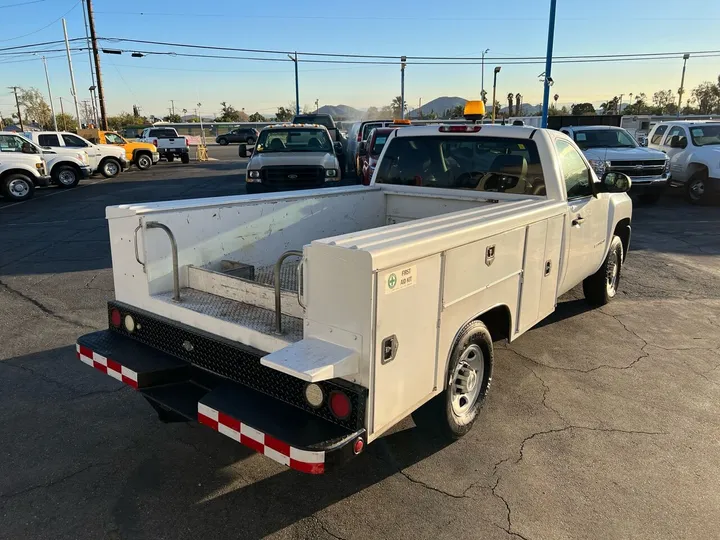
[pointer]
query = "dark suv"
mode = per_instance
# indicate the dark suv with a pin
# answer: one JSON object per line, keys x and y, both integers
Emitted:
{"x": 239, "y": 135}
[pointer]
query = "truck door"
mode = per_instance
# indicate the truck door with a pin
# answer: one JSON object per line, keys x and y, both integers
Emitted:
{"x": 586, "y": 218}
{"x": 677, "y": 155}
{"x": 93, "y": 152}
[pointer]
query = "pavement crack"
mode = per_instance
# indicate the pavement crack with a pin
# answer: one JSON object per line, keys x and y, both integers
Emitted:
{"x": 42, "y": 376}
{"x": 546, "y": 391}
{"x": 325, "y": 528}
{"x": 508, "y": 513}
{"x": 54, "y": 482}
{"x": 42, "y": 307}
{"x": 432, "y": 488}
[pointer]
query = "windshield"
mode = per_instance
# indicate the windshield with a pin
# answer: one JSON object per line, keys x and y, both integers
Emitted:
{"x": 378, "y": 145}
{"x": 705, "y": 135}
{"x": 604, "y": 138}
{"x": 293, "y": 140}
{"x": 463, "y": 162}
{"x": 113, "y": 138}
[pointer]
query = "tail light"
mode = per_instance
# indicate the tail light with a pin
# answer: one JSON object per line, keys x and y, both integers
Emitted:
{"x": 155, "y": 142}
{"x": 187, "y": 143}
{"x": 340, "y": 404}
{"x": 115, "y": 318}
{"x": 459, "y": 129}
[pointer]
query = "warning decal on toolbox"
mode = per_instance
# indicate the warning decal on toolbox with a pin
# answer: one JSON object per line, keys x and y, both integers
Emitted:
{"x": 400, "y": 279}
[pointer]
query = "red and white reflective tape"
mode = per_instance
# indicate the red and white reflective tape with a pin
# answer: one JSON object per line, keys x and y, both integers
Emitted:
{"x": 301, "y": 460}
{"x": 106, "y": 365}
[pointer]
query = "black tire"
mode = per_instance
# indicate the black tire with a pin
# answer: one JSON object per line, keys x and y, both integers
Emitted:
{"x": 66, "y": 176}
{"x": 110, "y": 167}
{"x": 651, "y": 197}
{"x": 602, "y": 286}
{"x": 440, "y": 415}
{"x": 222, "y": 141}
{"x": 250, "y": 140}
{"x": 695, "y": 188}
{"x": 185, "y": 158}
{"x": 170, "y": 158}
{"x": 17, "y": 187}
{"x": 143, "y": 161}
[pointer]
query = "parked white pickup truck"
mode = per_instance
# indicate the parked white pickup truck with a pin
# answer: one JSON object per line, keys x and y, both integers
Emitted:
{"x": 168, "y": 143}
{"x": 22, "y": 167}
{"x": 694, "y": 152}
{"x": 467, "y": 235}
{"x": 609, "y": 148}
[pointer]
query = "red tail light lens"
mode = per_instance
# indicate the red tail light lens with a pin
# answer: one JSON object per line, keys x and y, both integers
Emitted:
{"x": 340, "y": 405}
{"x": 358, "y": 446}
{"x": 459, "y": 129}
{"x": 115, "y": 318}
{"x": 155, "y": 142}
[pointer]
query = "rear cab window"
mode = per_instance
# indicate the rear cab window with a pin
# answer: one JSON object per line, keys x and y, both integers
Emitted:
{"x": 49, "y": 139}
{"x": 162, "y": 133}
{"x": 657, "y": 135}
{"x": 494, "y": 164}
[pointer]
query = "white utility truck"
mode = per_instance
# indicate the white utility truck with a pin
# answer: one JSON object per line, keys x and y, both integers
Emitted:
{"x": 467, "y": 234}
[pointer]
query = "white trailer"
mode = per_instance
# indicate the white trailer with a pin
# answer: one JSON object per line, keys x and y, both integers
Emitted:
{"x": 305, "y": 325}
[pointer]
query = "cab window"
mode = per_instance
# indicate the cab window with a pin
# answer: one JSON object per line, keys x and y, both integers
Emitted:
{"x": 657, "y": 136}
{"x": 575, "y": 173}
{"x": 677, "y": 131}
{"x": 49, "y": 139}
{"x": 14, "y": 143}
{"x": 74, "y": 141}
{"x": 112, "y": 138}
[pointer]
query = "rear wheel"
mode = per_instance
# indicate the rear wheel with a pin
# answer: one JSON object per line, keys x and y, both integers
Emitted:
{"x": 170, "y": 158}
{"x": 222, "y": 141}
{"x": 695, "y": 188}
{"x": 110, "y": 168}
{"x": 17, "y": 187}
{"x": 250, "y": 140}
{"x": 66, "y": 176}
{"x": 453, "y": 412}
{"x": 143, "y": 162}
{"x": 602, "y": 286}
{"x": 185, "y": 158}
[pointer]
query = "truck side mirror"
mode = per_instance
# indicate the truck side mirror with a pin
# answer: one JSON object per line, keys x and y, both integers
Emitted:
{"x": 362, "y": 150}
{"x": 338, "y": 148}
{"x": 243, "y": 151}
{"x": 615, "y": 182}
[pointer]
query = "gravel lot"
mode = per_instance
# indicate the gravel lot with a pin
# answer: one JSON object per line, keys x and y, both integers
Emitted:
{"x": 600, "y": 424}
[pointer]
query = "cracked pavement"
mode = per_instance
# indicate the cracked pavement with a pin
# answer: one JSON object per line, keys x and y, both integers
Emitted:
{"x": 600, "y": 423}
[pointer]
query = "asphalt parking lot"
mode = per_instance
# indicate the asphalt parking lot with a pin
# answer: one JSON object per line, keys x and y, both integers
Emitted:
{"x": 601, "y": 423}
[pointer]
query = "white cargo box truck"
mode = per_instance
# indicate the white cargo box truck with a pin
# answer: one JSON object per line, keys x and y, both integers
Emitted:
{"x": 305, "y": 325}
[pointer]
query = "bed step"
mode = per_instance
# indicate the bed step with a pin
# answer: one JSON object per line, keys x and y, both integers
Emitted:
{"x": 243, "y": 290}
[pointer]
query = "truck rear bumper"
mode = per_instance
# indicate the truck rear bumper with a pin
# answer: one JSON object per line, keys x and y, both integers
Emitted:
{"x": 182, "y": 391}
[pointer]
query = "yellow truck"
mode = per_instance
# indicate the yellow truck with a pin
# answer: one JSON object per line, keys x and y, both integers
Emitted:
{"x": 143, "y": 155}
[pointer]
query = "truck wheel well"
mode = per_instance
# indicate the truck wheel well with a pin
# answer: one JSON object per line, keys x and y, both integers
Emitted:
{"x": 694, "y": 168}
{"x": 499, "y": 321}
{"x": 7, "y": 173}
{"x": 622, "y": 230}
{"x": 65, "y": 163}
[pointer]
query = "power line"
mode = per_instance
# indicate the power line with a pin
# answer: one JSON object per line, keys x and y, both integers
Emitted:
{"x": 44, "y": 27}
{"x": 28, "y": 45}
{"x": 22, "y": 4}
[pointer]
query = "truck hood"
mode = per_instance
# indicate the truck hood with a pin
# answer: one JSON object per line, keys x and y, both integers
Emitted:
{"x": 131, "y": 145}
{"x": 317, "y": 159}
{"x": 111, "y": 150}
{"x": 628, "y": 154}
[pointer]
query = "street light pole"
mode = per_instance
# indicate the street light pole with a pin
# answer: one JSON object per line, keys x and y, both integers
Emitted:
{"x": 52, "y": 105}
{"x": 682, "y": 83}
{"x": 297, "y": 84}
{"x": 482, "y": 76}
{"x": 403, "y": 59}
{"x": 495, "y": 72}
{"x": 72, "y": 75}
{"x": 548, "y": 64}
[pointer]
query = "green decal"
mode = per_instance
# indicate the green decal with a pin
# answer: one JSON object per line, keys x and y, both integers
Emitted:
{"x": 392, "y": 281}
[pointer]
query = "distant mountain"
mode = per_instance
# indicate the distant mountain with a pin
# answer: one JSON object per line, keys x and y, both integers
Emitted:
{"x": 341, "y": 111}
{"x": 438, "y": 106}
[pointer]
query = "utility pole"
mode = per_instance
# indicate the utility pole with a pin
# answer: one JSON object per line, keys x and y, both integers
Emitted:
{"x": 548, "y": 64}
{"x": 172, "y": 108}
{"x": 96, "y": 56}
{"x": 620, "y": 104}
{"x": 17, "y": 104}
{"x": 682, "y": 83}
{"x": 495, "y": 72}
{"x": 52, "y": 105}
{"x": 317, "y": 107}
{"x": 482, "y": 76}
{"x": 62, "y": 113}
{"x": 403, "y": 59}
{"x": 297, "y": 84}
{"x": 94, "y": 105}
{"x": 72, "y": 75}
{"x": 92, "y": 71}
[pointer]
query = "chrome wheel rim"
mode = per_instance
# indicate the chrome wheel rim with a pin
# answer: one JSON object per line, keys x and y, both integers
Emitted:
{"x": 66, "y": 177}
{"x": 467, "y": 380}
{"x": 144, "y": 162}
{"x": 19, "y": 188}
{"x": 612, "y": 272}
{"x": 697, "y": 190}
{"x": 111, "y": 168}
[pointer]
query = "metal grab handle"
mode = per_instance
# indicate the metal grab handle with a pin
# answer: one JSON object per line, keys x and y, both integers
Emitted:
{"x": 300, "y": 283}
{"x": 278, "y": 303}
{"x": 173, "y": 246}
{"x": 137, "y": 255}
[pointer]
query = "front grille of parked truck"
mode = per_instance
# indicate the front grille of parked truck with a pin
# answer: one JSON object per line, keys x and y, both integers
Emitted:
{"x": 233, "y": 361}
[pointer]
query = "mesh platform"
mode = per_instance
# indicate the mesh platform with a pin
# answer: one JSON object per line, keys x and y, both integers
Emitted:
{"x": 288, "y": 275}
{"x": 246, "y": 315}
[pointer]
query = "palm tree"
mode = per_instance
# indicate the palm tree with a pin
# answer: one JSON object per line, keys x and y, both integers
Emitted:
{"x": 397, "y": 102}
{"x": 510, "y": 98}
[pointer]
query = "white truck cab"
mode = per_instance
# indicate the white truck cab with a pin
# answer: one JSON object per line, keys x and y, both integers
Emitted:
{"x": 694, "y": 152}
{"x": 610, "y": 148}
{"x": 106, "y": 159}
{"x": 306, "y": 324}
{"x": 22, "y": 167}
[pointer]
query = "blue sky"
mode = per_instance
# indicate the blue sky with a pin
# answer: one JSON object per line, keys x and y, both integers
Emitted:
{"x": 397, "y": 27}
